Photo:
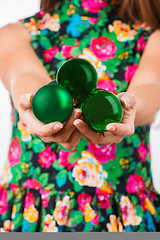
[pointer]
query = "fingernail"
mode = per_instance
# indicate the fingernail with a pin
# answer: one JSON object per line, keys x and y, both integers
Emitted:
{"x": 28, "y": 98}
{"x": 111, "y": 128}
{"x": 126, "y": 100}
{"x": 57, "y": 127}
{"x": 77, "y": 113}
{"x": 76, "y": 122}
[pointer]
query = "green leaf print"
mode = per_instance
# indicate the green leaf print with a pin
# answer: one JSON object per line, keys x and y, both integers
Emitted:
{"x": 17, "y": 173}
{"x": 114, "y": 170}
{"x": 10, "y": 195}
{"x": 44, "y": 179}
{"x": 59, "y": 56}
{"x": 144, "y": 173}
{"x": 93, "y": 34}
{"x": 75, "y": 52}
{"x": 47, "y": 67}
{"x": 57, "y": 166}
{"x": 18, "y": 207}
{"x": 37, "y": 171}
{"x": 76, "y": 217}
{"x": 70, "y": 41}
{"x": 81, "y": 146}
{"x": 140, "y": 212}
{"x": 73, "y": 203}
{"x": 134, "y": 139}
{"x": 61, "y": 178}
{"x": 45, "y": 42}
{"x": 17, "y": 221}
{"x": 87, "y": 227}
{"x": 52, "y": 74}
{"x": 134, "y": 200}
{"x": 38, "y": 145}
{"x": 77, "y": 187}
{"x": 84, "y": 43}
{"x": 26, "y": 156}
{"x": 73, "y": 157}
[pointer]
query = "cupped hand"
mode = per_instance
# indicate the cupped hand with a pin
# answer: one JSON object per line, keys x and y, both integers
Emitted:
{"x": 115, "y": 131}
{"x": 66, "y": 134}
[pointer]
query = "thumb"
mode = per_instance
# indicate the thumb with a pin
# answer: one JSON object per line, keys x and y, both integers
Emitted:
{"x": 25, "y": 101}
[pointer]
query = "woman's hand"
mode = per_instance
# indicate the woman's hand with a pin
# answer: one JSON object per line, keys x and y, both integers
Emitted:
{"x": 65, "y": 134}
{"x": 116, "y": 131}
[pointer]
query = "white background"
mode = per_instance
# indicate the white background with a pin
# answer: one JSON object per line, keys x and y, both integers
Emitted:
{"x": 11, "y": 11}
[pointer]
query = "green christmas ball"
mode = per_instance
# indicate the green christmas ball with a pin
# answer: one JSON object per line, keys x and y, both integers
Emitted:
{"x": 52, "y": 103}
{"x": 79, "y": 77}
{"x": 101, "y": 108}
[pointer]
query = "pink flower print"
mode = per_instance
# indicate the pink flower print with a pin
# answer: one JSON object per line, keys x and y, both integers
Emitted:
{"x": 103, "y": 47}
{"x": 135, "y": 184}
{"x": 94, "y": 6}
{"x": 103, "y": 153}
{"x": 46, "y": 157}
{"x": 29, "y": 200}
{"x": 33, "y": 184}
{"x": 82, "y": 199}
{"x": 66, "y": 51}
{"x": 103, "y": 198}
{"x": 107, "y": 85}
{"x": 130, "y": 71}
{"x": 63, "y": 157}
{"x": 152, "y": 195}
{"x": 45, "y": 197}
{"x": 50, "y": 53}
{"x": 141, "y": 44}
{"x": 14, "y": 151}
{"x": 95, "y": 221}
{"x": 142, "y": 151}
{"x": 93, "y": 20}
{"x": 3, "y": 200}
{"x": 41, "y": 13}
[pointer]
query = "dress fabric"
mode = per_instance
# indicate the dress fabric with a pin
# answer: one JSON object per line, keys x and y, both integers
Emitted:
{"x": 93, "y": 188}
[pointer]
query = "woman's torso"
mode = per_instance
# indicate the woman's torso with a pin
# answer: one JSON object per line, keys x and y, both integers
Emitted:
{"x": 113, "y": 178}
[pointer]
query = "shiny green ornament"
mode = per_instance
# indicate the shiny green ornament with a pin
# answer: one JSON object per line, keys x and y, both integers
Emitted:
{"x": 52, "y": 103}
{"x": 101, "y": 108}
{"x": 79, "y": 77}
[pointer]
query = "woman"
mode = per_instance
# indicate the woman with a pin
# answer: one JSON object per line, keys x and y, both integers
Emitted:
{"x": 67, "y": 177}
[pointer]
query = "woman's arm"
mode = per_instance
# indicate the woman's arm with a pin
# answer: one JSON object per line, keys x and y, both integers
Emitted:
{"x": 145, "y": 84}
{"x": 141, "y": 101}
{"x": 22, "y": 72}
{"x": 20, "y": 69}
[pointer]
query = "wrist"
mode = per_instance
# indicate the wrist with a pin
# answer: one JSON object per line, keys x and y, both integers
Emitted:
{"x": 26, "y": 84}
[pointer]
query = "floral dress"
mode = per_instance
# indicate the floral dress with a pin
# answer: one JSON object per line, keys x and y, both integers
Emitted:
{"x": 45, "y": 187}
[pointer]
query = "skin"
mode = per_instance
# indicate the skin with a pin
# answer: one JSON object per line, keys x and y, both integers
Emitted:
{"x": 23, "y": 74}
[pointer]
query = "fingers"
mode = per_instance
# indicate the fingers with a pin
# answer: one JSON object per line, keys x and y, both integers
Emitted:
{"x": 36, "y": 127}
{"x": 25, "y": 101}
{"x": 126, "y": 127}
{"x": 88, "y": 132}
{"x": 128, "y": 100}
{"x": 73, "y": 140}
{"x": 120, "y": 129}
{"x": 68, "y": 128}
